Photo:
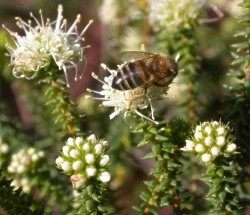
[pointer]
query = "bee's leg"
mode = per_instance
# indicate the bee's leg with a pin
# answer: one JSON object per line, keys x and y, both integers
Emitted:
{"x": 138, "y": 97}
{"x": 149, "y": 101}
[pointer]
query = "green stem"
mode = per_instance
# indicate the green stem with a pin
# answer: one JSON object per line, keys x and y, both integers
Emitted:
{"x": 62, "y": 106}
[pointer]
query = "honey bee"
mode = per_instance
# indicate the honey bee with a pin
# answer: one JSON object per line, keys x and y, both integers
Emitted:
{"x": 144, "y": 69}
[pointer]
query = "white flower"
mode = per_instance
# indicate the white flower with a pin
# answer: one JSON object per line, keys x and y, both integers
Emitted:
{"x": 40, "y": 154}
{"x": 206, "y": 157}
{"x": 198, "y": 135}
{"x": 127, "y": 101}
{"x": 231, "y": 147}
{"x": 70, "y": 141}
{"x": 104, "y": 160}
{"x": 105, "y": 177}
{"x": 215, "y": 123}
{"x": 31, "y": 151}
{"x": 208, "y": 141}
{"x": 66, "y": 166}
{"x": 172, "y": 14}
{"x": 34, "y": 157}
{"x": 59, "y": 162}
{"x": 74, "y": 153}
{"x": 66, "y": 150}
{"x": 86, "y": 147}
{"x": 4, "y": 148}
{"x": 77, "y": 180}
{"x": 208, "y": 129}
{"x": 91, "y": 171}
{"x": 98, "y": 148}
{"x": 20, "y": 169}
{"x": 220, "y": 130}
{"x": 15, "y": 184}
{"x": 199, "y": 148}
{"x": 79, "y": 141}
{"x": 25, "y": 160}
{"x": 215, "y": 151}
{"x": 105, "y": 143}
{"x": 221, "y": 141}
{"x": 46, "y": 41}
{"x": 189, "y": 146}
{"x": 11, "y": 169}
{"x": 90, "y": 158}
{"x": 198, "y": 128}
{"x": 77, "y": 165}
{"x": 91, "y": 138}
{"x": 25, "y": 182}
{"x": 26, "y": 188}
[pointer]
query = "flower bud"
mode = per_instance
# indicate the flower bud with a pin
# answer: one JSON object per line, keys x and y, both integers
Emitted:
{"x": 215, "y": 123}
{"x": 77, "y": 165}
{"x": 74, "y": 153}
{"x": 31, "y": 151}
{"x": 220, "y": 141}
{"x": 91, "y": 138}
{"x": 220, "y": 130}
{"x": 98, "y": 148}
{"x": 41, "y": 154}
{"x": 86, "y": 147}
{"x": 65, "y": 150}
{"x": 105, "y": 177}
{"x": 208, "y": 130}
{"x": 189, "y": 145}
{"x": 77, "y": 180}
{"x": 208, "y": 141}
{"x": 105, "y": 143}
{"x": 104, "y": 160}
{"x": 70, "y": 141}
{"x": 66, "y": 167}
{"x": 34, "y": 157}
{"x": 198, "y": 128}
{"x": 90, "y": 158}
{"x": 198, "y": 135}
{"x": 79, "y": 141}
{"x": 91, "y": 171}
{"x": 59, "y": 161}
{"x": 199, "y": 148}
{"x": 231, "y": 147}
{"x": 4, "y": 148}
{"x": 215, "y": 151}
{"x": 20, "y": 169}
{"x": 206, "y": 157}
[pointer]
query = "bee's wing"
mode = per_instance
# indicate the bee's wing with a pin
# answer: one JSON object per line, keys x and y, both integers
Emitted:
{"x": 135, "y": 55}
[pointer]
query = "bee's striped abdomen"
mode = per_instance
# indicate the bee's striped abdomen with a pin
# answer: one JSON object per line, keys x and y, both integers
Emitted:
{"x": 130, "y": 76}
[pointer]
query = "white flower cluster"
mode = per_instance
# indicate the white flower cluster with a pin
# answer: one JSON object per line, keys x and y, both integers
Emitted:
{"x": 126, "y": 101}
{"x": 173, "y": 14}
{"x": 46, "y": 41}
{"x": 83, "y": 159}
{"x": 210, "y": 140}
{"x": 22, "y": 164}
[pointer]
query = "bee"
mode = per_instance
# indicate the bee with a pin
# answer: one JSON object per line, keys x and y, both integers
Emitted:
{"x": 144, "y": 69}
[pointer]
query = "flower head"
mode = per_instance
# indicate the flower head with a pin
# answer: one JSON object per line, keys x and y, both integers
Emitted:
{"x": 210, "y": 140}
{"x": 173, "y": 14}
{"x": 23, "y": 164}
{"x": 81, "y": 160}
{"x": 45, "y": 42}
{"x": 127, "y": 101}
